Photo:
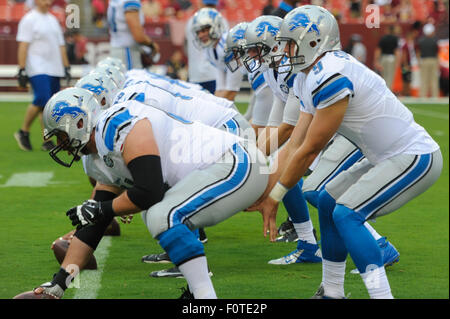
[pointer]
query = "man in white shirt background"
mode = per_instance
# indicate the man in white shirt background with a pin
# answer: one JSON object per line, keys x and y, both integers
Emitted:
{"x": 42, "y": 60}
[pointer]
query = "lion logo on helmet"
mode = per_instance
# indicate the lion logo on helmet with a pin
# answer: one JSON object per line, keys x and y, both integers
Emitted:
{"x": 238, "y": 35}
{"x": 302, "y": 20}
{"x": 266, "y": 27}
{"x": 62, "y": 108}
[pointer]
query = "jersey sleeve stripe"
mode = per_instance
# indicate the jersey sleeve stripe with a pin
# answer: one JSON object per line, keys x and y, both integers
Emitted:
{"x": 290, "y": 81}
{"x": 333, "y": 89}
{"x": 113, "y": 127}
{"x": 258, "y": 82}
{"x": 329, "y": 80}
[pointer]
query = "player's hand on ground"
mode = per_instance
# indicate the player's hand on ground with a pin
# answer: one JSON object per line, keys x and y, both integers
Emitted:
{"x": 88, "y": 213}
{"x": 268, "y": 209}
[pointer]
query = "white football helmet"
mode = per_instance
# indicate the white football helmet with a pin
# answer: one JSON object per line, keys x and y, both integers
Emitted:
{"x": 102, "y": 86}
{"x": 234, "y": 48}
{"x": 211, "y": 19}
{"x": 114, "y": 62}
{"x": 116, "y": 75}
{"x": 70, "y": 115}
{"x": 309, "y": 31}
{"x": 262, "y": 46}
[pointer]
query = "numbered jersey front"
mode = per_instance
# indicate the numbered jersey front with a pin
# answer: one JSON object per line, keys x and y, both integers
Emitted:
{"x": 375, "y": 120}
{"x": 184, "y": 146}
{"x": 280, "y": 82}
{"x": 188, "y": 107}
{"x": 118, "y": 28}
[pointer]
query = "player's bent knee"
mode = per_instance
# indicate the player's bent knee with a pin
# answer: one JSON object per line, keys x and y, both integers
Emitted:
{"x": 343, "y": 216}
{"x": 325, "y": 203}
{"x": 180, "y": 244}
{"x": 312, "y": 197}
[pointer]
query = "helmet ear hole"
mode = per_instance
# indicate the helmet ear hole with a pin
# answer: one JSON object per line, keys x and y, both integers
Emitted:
{"x": 80, "y": 124}
{"x": 313, "y": 44}
{"x": 103, "y": 101}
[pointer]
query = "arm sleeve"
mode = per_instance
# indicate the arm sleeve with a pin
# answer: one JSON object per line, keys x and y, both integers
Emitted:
{"x": 276, "y": 113}
{"x": 25, "y": 30}
{"x": 291, "y": 110}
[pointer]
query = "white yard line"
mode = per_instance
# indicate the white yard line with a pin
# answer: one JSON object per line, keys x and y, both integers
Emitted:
{"x": 91, "y": 280}
{"x": 437, "y": 115}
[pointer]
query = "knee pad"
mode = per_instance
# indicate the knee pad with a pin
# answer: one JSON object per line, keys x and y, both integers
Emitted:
{"x": 181, "y": 244}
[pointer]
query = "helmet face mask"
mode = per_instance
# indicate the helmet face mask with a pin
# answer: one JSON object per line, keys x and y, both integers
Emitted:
{"x": 70, "y": 115}
{"x": 73, "y": 147}
{"x": 234, "y": 49}
{"x": 261, "y": 43}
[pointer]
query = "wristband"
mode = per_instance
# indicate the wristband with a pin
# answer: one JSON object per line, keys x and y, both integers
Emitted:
{"x": 278, "y": 192}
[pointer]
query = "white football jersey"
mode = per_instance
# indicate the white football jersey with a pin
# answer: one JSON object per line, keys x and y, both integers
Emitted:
{"x": 256, "y": 80}
{"x": 280, "y": 83}
{"x": 375, "y": 120}
{"x": 120, "y": 35}
{"x": 189, "y": 107}
{"x": 183, "y": 146}
{"x": 182, "y": 87}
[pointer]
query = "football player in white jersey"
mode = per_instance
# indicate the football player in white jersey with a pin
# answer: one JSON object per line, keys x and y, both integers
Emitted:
{"x": 339, "y": 94}
{"x": 262, "y": 95}
{"x": 263, "y": 48}
{"x": 127, "y": 35}
{"x": 183, "y": 87}
{"x": 210, "y": 35}
{"x": 139, "y": 149}
{"x": 189, "y": 107}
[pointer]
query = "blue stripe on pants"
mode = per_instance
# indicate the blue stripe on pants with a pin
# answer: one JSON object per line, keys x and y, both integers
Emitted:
{"x": 215, "y": 191}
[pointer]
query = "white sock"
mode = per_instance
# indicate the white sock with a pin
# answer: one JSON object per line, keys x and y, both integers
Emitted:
{"x": 196, "y": 273}
{"x": 305, "y": 231}
{"x": 377, "y": 284}
{"x": 372, "y": 231}
{"x": 333, "y": 275}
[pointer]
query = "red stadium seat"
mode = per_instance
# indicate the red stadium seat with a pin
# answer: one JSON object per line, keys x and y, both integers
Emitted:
{"x": 5, "y": 12}
{"x": 18, "y": 10}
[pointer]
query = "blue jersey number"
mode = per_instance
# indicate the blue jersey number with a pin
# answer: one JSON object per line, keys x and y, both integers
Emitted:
{"x": 341, "y": 54}
{"x": 317, "y": 68}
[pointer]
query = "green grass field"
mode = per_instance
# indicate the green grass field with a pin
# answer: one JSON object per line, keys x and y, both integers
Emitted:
{"x": 32, "y": 217}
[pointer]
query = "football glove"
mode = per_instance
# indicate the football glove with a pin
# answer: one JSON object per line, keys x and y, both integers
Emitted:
{"x": 88, "y": 213}
{"x": 22, "y": 78}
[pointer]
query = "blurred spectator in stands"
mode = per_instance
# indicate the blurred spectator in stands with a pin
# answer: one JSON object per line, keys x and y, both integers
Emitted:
{"x": 200, "y": 70}
{"x": 98, "y": 12}
{"x": 284, "y": 7}
{"x": 176, "y": 67}
{"x": 388, "y": 14}
{"x": 76, "y": 46}
{"x": 404, "y": 11}
{"x": 408, "y": 60}
{"x": 356, "y": 48}
{"x": 151, "y": 8}
{"x": 42, "y": 61}
{"x": 428, "y": 62}
{"x": 387, "y": 55}
{"x": 172, "y": 9}
{"x": 268, "y": 8}
{"x": 127, "y": 35}
{"x": 355, "y": 9}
